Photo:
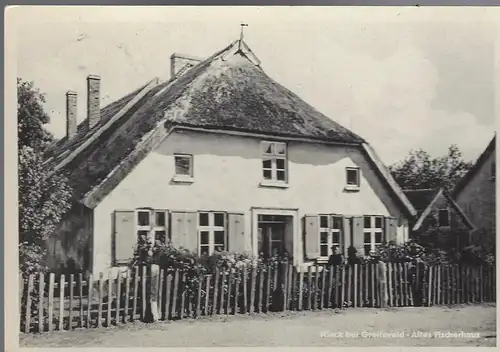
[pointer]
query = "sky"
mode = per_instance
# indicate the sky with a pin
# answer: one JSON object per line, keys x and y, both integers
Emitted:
{"x": 402, "y": 78}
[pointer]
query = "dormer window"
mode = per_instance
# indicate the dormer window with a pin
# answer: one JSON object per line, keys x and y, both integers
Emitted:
{"x": 274, "y": 162}
{"x": 183, "y": 171}
{"x": 444, "y": 218}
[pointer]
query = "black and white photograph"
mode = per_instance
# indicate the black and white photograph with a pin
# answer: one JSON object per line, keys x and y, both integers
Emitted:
{"x": 254, "y": 176}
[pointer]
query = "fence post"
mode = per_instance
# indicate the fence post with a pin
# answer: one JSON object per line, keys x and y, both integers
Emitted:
{"x": 382, "y": 274}
{"x": 151, "y": 314}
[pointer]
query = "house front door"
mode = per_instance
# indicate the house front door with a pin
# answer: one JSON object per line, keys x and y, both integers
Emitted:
{"x": 271, "y": 240}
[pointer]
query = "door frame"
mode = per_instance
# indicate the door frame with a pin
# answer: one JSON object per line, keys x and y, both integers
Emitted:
{"x": 293, "y": 212}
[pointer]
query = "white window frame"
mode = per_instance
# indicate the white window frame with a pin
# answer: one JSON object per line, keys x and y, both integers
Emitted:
{"x": 151, "y": 228}
{"x": 373, "y": 230}
{"x": 211, "y": 228}
{"x": 273, "y": 157}
{"x": 447, "y": 209}
{"x": 184, "y": 177}
{"x": 349, "y": 186}
{"x": 330, "y": 230}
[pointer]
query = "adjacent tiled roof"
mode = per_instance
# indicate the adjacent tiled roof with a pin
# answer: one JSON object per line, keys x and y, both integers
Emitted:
{"x": 477, "y": 166}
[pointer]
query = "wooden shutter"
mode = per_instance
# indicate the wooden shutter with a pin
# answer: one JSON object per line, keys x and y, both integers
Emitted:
{"x": 311, "y": 227}
{"x": 391, "y": 229}
{"x": 184, "y": 230}
{"x": 236, "y": 233}
{"x": 358, "y": 236}
{"x": 346, "y": 233}
{"x": 125, "y": 237}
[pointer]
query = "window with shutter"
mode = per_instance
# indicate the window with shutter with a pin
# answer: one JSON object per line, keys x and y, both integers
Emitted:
{"x": 373, "y": 233}
{"x": 212, "y": 232}
{"x": 125, "y": 238}
{"x": 330, "y": 234}
{"x": 236, "y": 232}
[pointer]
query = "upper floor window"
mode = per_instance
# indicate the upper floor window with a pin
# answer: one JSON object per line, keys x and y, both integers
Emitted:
{"x": 330, "y": 233}
{"x": 151, "y": 225}
{"x": 373, "y": 233}
{"x": 274, "y": 161}
{"x": 444, "y": 217}
{"x": 352, "y": 177}
{"x": 183, "y": 165}
{"x": 212, "y": 232}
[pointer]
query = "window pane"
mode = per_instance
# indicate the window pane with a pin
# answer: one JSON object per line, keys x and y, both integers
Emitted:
{"x": 378, "y": 237}
{"x": 142, "y": 236}
{"x": 323, "y": 237}
{"x": 204, "y": 235}
{"x": 182, "y": 165}
{"x": 335, "y": 237}
{"x": 378, "y": 222}
{"x": 160, "y": 236}
{"x": 280, "y": 148}
{"x": 367, "y": 238}
{"x": 280, "y": 164}
{"x": 203, "y": 219}
{"x": 267, "y": 147}
{"x": 266, "y": 163}
{"x": 337, "y": 222}
{"x": 143, "y": 218}
{"x": 368, "y": 222}
{"x": 160, "y": 218}
{"x": 219, "y": 248}
{"x": 352, "y": 176}
{"x": 324, "y": 251}
{"x": 219, "y": 237}
{"x": 219, "y": 219}
{"x": 323, "y": 221}
{"x": 367, "y": 249}
{"x": 276, "y": 247}
{"x": 444, "y": 218}
{"x": 281, "y": 175}
{"x": 204, "y": 250}
{"x": 267, "y": 174}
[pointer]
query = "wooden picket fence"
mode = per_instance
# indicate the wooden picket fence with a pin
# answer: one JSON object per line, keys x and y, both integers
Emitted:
{"x": 73, "y": 301}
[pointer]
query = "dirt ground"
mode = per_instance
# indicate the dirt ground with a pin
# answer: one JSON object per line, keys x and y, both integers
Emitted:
{"x": 433, "y": 326}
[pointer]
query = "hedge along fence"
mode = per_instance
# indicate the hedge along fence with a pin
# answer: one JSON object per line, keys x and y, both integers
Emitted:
{"x": 150, "y": 294}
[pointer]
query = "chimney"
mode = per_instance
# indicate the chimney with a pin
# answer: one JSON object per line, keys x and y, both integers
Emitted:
{"x": 180, "y": 61}
{"x": 71, "y": 99}
{"x": 93, "y": 100}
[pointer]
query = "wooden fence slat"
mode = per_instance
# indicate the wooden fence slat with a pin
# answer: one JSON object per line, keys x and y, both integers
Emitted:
{"x": 440, "y": 284}
{"x": 330, "y": 302}
{"x": 245, "y": 289}
{"x": 372, "y": 283}
{"x": 429, "y": 287}
{"x": 223, "y": 293}
{"x": 175, "y": 294}
{"x": 376, "y": 286}
{"x": 118, "y": 297}
{"x": 237, "y": 293}
{"x": 309, "y": 288}
{"x": 389, "y": 283}
{"x": 268, "y": 287}
{"x": 101, "y": 294}
{"x": 51, "y": 300}
{"x": 71, "y": 297}
{"x": 41, "y": 289}
{"x": 183, "y": 286}
{"x": 80, "y": 293}
{"x": 301, "y": 289}
{"x": 253, "y": 288}
{"x": 342, "y": 287}
{"x": 27, "y": 319}
{"x": 457, "y": 284}
{"x": 349, "y": 284}
{"x": 216, "y": 292}
{"x": 229, "y": 291}
{"x": 135, "y": 292}
{"x": 160, "y": 293}
{"x": 143, "y": 292}
{"x": 127, "y": 296}
{"x": 168, "y": 289}
{"x": 356, "y": 287}
{"x": 289, "y": 289}
{"x": 361, "y": 295}
{"x": 314, "y": 288}
{"x": 261, "y": 289}
{"x": 322, "y": 292}
{"x": 338, "y": 278}
{"x": 110, "y": 298}
{"x": 207, "y": 294}
{"x": 21, "y": 298}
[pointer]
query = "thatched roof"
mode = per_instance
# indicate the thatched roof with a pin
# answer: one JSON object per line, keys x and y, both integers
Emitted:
{"x": 490, "y": 149}
{"x": 228, "y": 91}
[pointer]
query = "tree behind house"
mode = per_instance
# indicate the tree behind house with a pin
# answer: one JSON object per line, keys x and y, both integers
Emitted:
{"x": 421, "y": 171}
